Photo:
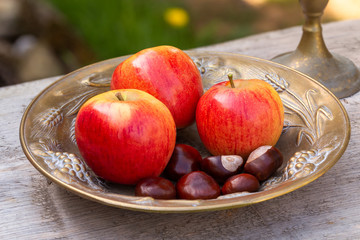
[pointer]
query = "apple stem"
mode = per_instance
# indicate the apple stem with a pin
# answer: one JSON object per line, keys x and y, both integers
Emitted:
{"x": 230, "y": 76}
{"x": 119, "y": 96}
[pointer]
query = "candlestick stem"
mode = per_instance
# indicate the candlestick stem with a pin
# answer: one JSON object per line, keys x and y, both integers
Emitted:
{"x": 313, "y": 58}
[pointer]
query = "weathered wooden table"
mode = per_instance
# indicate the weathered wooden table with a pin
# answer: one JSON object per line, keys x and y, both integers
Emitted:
{"x": 328, "y": 208}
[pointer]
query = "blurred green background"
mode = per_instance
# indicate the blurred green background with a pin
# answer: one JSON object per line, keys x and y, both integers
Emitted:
{"x": 119, "y": 27}
{"x": 64, "y": 35}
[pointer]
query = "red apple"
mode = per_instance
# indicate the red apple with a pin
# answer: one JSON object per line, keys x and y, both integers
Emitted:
{"x": 235, "y": 120}
{"x": 168, "y": 74}
{"x": 125, "y": 135}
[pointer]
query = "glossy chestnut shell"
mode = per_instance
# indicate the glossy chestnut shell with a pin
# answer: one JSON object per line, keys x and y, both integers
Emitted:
{"x": 155, "y": 187}
{"x": 197, "y": 185}
{"x": 243, "y": 182}
{"x": 263, "y": 162}
{"x": 222, "y": 167}
{"x": 185, "y": 159}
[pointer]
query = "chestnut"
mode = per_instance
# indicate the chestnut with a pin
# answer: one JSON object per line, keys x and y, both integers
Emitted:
{"x": 263, "y": 162}
{"x": 185, "y": 159}
{"x": 222, "y": 167}
{"x": 155, "y": 187}
{"x": 243, "y": 182}
{"x": 197, "y": 185}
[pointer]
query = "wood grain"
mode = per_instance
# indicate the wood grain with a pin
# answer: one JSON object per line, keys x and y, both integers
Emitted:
{"x": 328, "y": 208}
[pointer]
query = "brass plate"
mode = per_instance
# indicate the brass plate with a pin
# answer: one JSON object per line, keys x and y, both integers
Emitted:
{"x": 315, "y": 135}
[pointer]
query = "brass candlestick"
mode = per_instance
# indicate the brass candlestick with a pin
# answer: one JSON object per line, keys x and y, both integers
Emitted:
{"x": 312, "y": 57}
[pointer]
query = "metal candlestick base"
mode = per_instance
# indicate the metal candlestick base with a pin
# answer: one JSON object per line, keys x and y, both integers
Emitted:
{"x": 312, "y": 57}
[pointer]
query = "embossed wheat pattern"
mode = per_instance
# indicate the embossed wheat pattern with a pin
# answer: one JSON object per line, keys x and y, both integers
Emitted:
{"x": 72, "y": 131}
{"x": 308, "y": 111}
{"x": 66, "y": 166}
{"x": 46, "y": 123}
{"x": 277, "y": 82}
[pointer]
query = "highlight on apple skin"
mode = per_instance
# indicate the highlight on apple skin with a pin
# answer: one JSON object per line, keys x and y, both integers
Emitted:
{"x": 168, "y": 74}
{"x": 125, "y": 135}
{"x": 235, "y": 120}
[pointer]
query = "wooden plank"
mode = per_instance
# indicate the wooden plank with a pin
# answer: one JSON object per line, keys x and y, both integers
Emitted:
{"x": 328, "y": 208}
{"x": 340, "y": 37}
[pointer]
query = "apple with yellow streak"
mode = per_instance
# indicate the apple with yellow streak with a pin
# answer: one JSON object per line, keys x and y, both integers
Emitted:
{"x": 168, "y": 74}
{"x": 237, "y": 116}
{"x": 125, "y": 135}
